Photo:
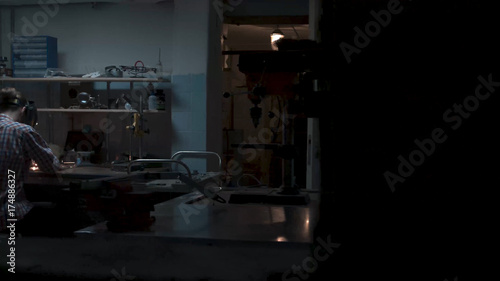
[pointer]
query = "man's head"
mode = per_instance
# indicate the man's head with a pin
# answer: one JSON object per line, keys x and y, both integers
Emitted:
{"x": 12, "y": 103}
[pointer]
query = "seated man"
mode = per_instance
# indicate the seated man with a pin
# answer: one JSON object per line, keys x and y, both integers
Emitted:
{"x": 19, "y": 145}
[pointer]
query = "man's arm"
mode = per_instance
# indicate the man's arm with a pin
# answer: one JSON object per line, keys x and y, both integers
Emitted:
{"x": 38, "y": 150}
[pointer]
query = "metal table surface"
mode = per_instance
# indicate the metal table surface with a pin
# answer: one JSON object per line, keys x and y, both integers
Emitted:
{"x": 82, "y": 171}
{"x": 89, "y": 176}
{"x": 216, "y": 221}
{"x": 225, "y": 242}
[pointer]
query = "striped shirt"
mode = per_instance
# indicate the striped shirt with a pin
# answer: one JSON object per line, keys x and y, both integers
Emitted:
{"x": 19, "y": 145}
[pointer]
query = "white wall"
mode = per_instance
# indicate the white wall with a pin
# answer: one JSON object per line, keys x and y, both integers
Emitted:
{"x": 88, "y": 40}
{"x": 91, "y": 38}
{"x": 214, "y": 84}
{"x": 196, "y": 87}
{"x": 190, "y": 37}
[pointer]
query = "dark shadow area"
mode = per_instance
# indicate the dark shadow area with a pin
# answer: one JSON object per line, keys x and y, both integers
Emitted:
{"x": 419, "y": 74}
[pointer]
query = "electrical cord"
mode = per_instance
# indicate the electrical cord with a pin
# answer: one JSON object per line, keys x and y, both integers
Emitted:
{"x": 249, "y": 175}
{"x": 296, "y": 33}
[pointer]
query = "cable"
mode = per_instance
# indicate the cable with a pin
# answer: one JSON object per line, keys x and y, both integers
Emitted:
{"x": 248, "y": 175}
{"x": 296, "y": 33}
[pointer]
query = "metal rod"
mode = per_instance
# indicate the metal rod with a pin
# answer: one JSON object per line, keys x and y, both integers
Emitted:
{"x": 140, "y": 147}
{"x": 140, "y": 126}
{"x": 283, "y": 141}
{"x": 130, "y": 141}
{"x": 50, "y": 119}
{"x": 196, "y": 152}
{"x": 107, "y": 147}
{"x": 108, "y": 88}
{"x": 132, "y": 131}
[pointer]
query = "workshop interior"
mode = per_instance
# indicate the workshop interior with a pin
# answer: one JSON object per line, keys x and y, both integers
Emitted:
{"x": 247, "y": 140}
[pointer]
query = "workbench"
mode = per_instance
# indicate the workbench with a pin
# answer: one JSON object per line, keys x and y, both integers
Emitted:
{"x": 192, "y": 238}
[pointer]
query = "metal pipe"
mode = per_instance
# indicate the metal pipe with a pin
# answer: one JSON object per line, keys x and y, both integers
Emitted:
{"x": 196, "y": 152}
{"x": 284, "y": 140}
{"x": 159, "y": 161}
{"x": 50, "y": 119}
{"x": 108, "y": 89}
{"x": 130, "y": 146}
{"x": 140, "y": 125}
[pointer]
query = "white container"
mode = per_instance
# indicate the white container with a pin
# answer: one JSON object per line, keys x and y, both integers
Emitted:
{"x": 152, "y": 102}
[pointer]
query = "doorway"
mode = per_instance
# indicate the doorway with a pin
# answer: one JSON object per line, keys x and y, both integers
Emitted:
{"x": 253, "y": 131}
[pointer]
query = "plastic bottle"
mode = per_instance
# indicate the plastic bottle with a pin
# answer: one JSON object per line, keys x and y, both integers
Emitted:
{"x": 152, "y": 101}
